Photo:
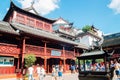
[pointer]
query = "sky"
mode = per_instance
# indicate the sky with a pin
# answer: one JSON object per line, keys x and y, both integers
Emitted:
{"x": 103, "y": 14}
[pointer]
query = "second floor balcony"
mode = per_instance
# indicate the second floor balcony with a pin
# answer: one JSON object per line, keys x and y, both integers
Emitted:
{"x": 14, "y": 50}
{"x": 49, "y": 52}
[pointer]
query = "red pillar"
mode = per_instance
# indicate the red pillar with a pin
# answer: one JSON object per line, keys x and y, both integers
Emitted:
{"x": 45, "y": 57}
{"x": 18, "y": 63}
{"x": 48, "y": 69}
{"x": 45, "y": 63}
{"x": 64, "y": 62}
{"x": 23, "y": 51}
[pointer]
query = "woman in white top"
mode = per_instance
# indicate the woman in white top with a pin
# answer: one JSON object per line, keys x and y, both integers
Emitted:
{"x": 38, "y": 71}
{"x": 42, "y": 73}
{"x": 30, "y": 73}
{"x": 54, "y": 74}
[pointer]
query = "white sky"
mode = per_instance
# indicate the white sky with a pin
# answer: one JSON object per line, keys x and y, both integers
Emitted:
{"x": 115, "y": 6}
{"x": 43, "y": 7}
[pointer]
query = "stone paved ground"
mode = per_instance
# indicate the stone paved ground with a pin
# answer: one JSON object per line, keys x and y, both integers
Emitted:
{"x": 67, "y": 76}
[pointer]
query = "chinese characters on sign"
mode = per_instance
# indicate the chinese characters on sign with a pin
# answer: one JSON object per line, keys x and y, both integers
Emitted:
{"x": 55, "y": 53}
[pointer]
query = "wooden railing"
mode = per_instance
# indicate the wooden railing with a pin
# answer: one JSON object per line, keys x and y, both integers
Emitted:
{"x": 39, "y": 51}
{"x": 9, "y": 49}
{"x": 69, "y": 54}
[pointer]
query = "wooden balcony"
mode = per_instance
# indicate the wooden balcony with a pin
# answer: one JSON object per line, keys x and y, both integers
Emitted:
{"x": 13, "y": 50}
{"x": 9, "y": 50}
{"x": 40, "y": 51}
{"x": 69, "y": 54}
{"x": 37, "y": 50}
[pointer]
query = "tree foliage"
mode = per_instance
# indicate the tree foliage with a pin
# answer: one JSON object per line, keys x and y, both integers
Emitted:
{"x": 29, "y": 59}
{"x": 86, "y": 28}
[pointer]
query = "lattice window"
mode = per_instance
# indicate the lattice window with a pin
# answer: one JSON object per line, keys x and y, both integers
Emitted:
{"x": 20, "y": 18}
{"x": 47, "y": 27}
{"x": 39, "y": 24}
{"x": 30, "y": 22}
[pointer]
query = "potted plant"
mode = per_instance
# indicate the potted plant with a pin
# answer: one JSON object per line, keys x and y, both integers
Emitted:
{"x": 29, "y": 60}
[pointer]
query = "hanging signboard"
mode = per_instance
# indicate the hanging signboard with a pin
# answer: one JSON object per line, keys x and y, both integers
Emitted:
{"x": 55, "y": 53}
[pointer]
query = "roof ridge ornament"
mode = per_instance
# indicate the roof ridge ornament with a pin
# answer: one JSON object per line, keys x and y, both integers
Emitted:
{"x": 32, "y": 8}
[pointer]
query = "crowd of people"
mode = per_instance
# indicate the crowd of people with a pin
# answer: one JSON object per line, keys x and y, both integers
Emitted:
{"x": 115, "y": 69}
{"x": 112, "y": 66}
{"x": 94, "y": 66}
{"x": 57, "y": 72}
{"x": 39, "y": 71}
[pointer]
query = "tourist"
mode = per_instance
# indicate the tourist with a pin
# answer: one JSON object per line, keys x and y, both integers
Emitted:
{"x": 117, "y": 69}
{"x": 102, "y": 66}
{"x": 54, "y": 74}
{"x": 77, "y": 68}
{"x": 72, "y": 69}
{"x": 116, "y": 72}
{"x": 30, "y": 73}
{"x": 112, "y": 68}
{"x": 42, "y": 72}
{"x": 38, "y": 71}
{"x": 60, "y": 72}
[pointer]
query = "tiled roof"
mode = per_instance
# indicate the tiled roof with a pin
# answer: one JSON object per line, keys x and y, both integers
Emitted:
{"x": 111, "y": 36}
{"x": 91, "y": 54}
{"x": 45, "y": 34}
{"x": 16, "y": 8}
{"x": 111, "y": 40}
{"x": 5, "y": 27}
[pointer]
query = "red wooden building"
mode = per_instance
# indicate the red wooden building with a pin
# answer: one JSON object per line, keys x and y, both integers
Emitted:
{"x": 22, "y": 32}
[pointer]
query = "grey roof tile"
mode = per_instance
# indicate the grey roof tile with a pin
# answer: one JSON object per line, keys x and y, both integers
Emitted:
{"x": 111, "y": 40}
{"x": 45, "y": 34}
{"x": 5, "y": 27}
{"x": 93, "y": 53}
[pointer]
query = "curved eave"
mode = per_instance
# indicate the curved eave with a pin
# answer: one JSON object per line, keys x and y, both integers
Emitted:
{"x": 111, "y": 42}
{"x": 7, "y": 29}
{"x": 92, "y": 54}
{"x": 14, "y": 7}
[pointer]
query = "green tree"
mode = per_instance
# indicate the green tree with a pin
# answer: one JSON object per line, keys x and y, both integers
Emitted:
{"x": 29, "y": 59}
{"x": 86, "y": 28}
{"x": 76, "y": 61}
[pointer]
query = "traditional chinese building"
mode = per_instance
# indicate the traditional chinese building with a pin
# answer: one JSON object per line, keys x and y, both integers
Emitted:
{"x": 92, "y": 39}
{"x": 111, "y": 44}
{"x": 23, "y": 32}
